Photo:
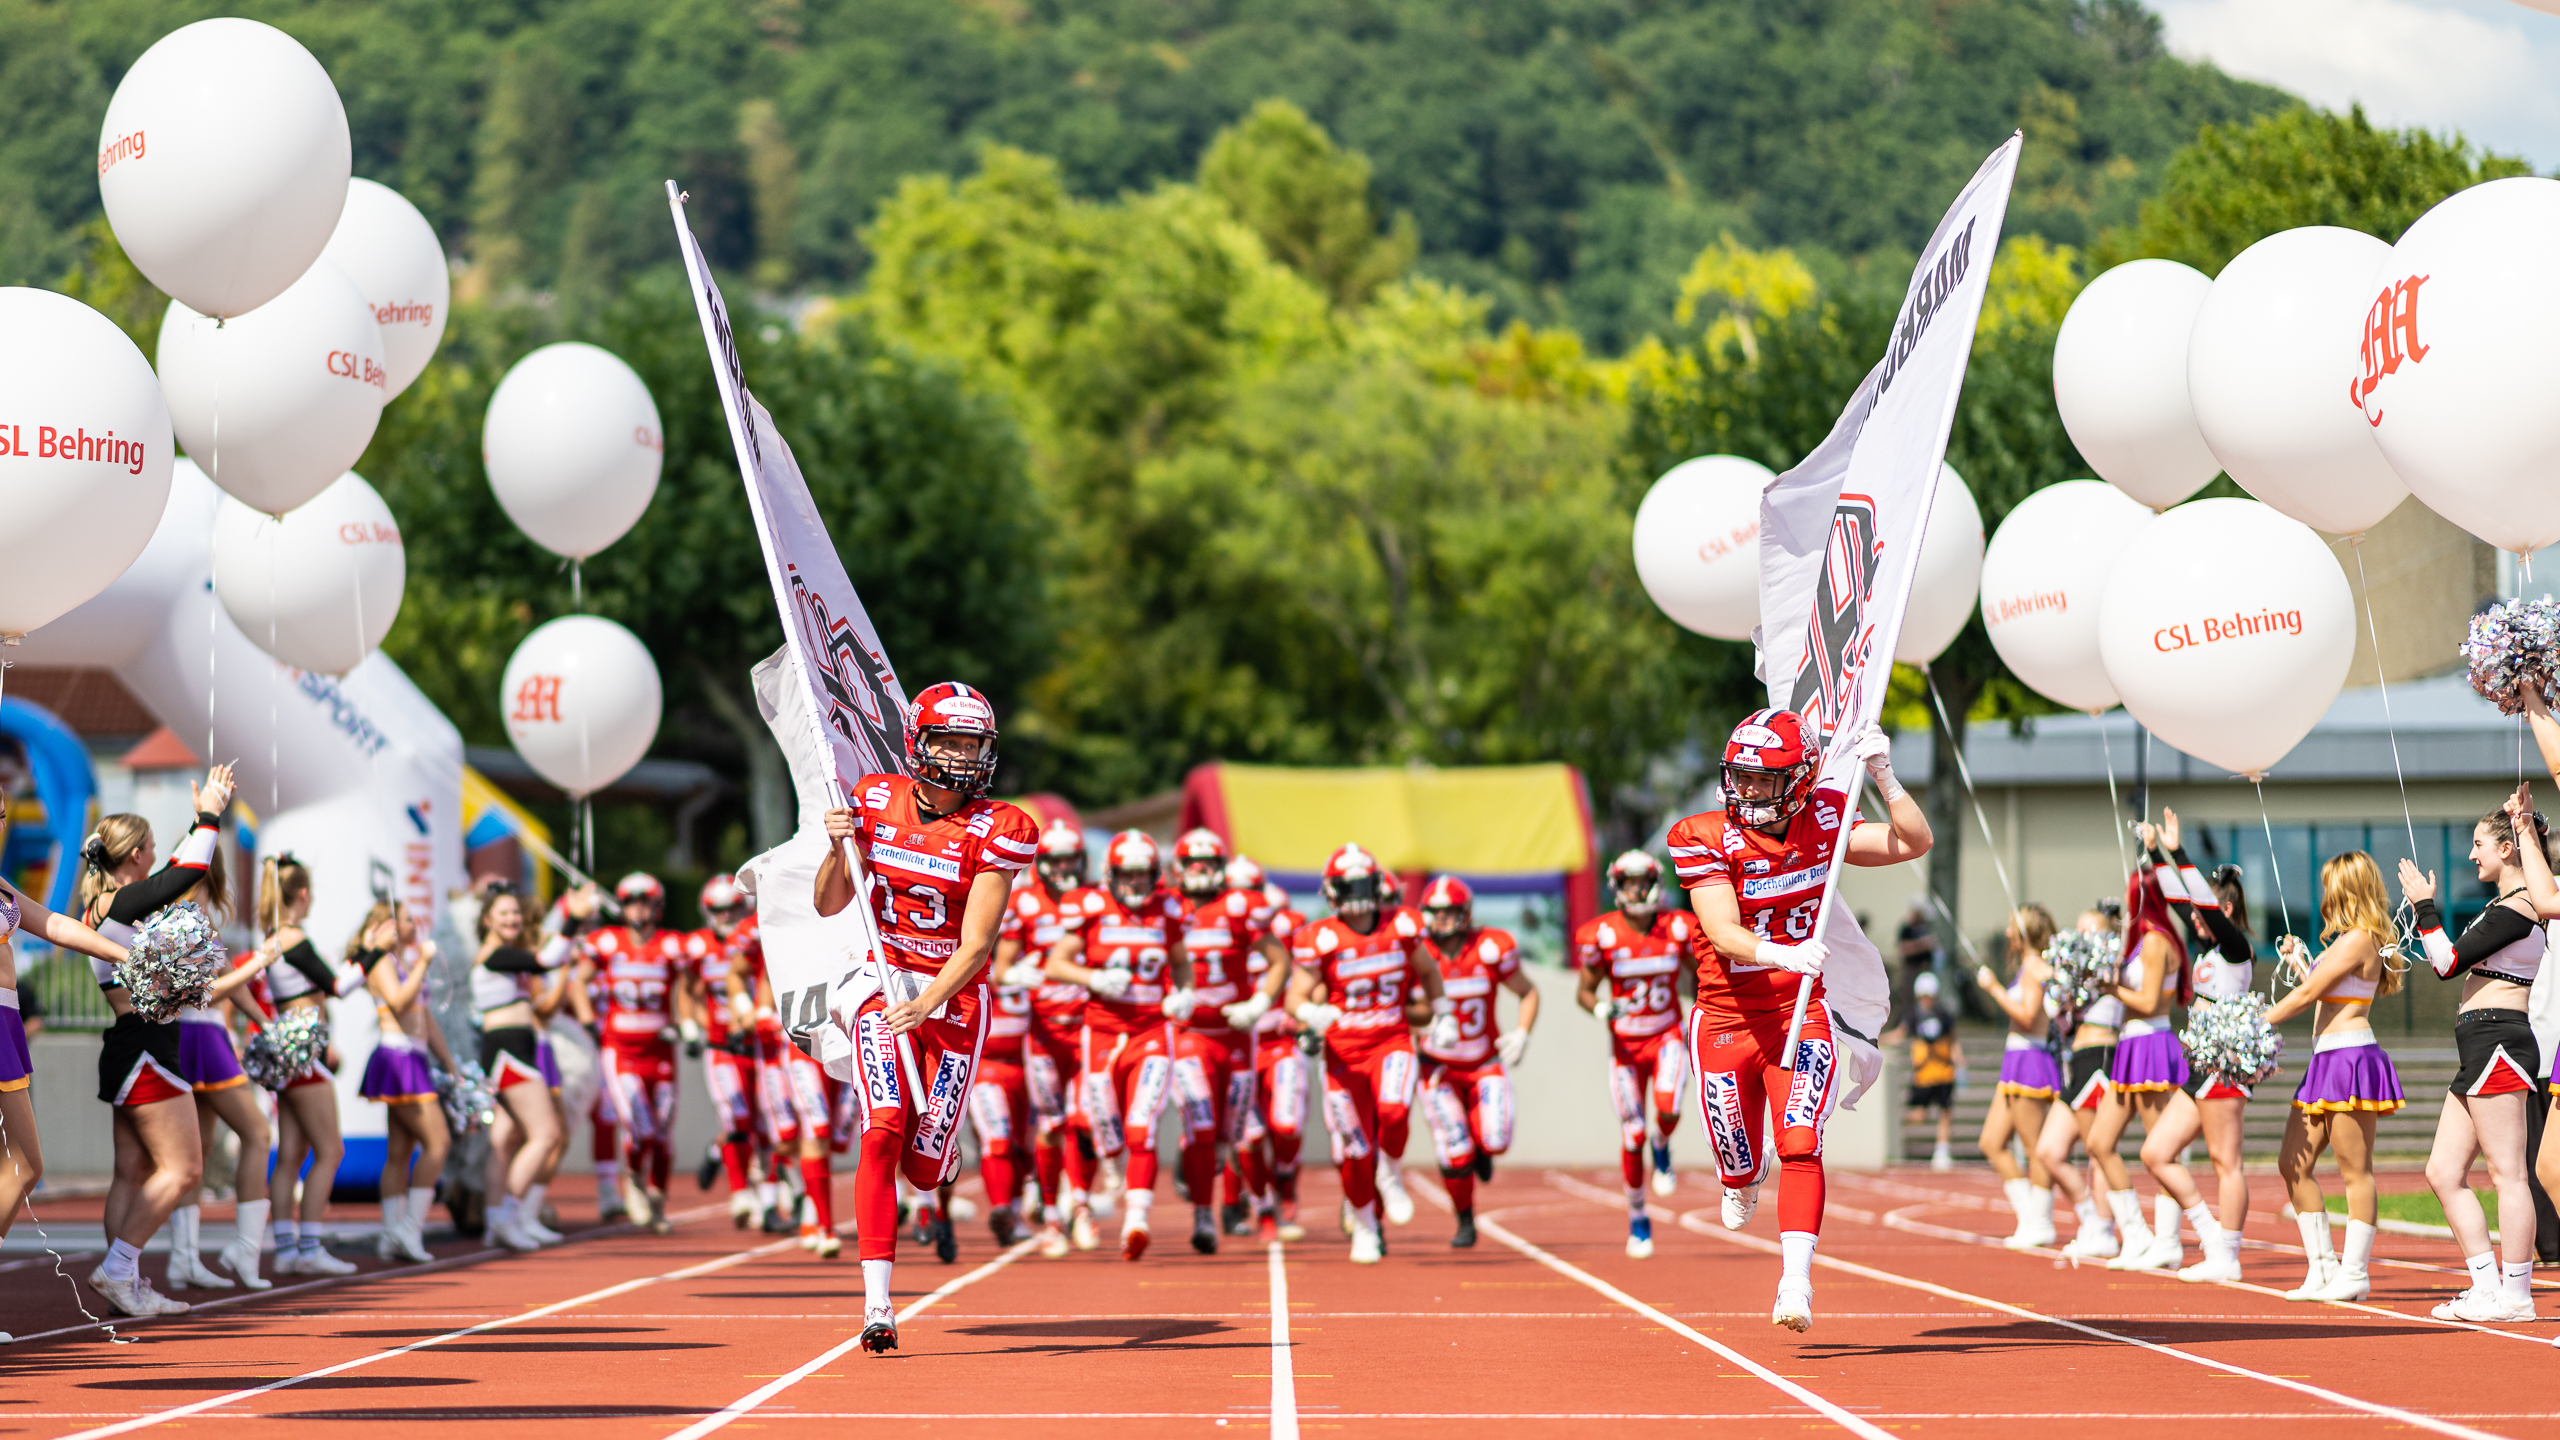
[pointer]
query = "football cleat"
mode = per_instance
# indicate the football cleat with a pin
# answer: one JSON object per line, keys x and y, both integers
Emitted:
{"x": 828, "y": 1246}
{"x": 1794, "y": 1309}
{"x": 1639, "y": 1237}
{"x": 1133, "y": 1244}
{"x": 1465, "y": 1238}
{"x": 946, "y": 1244}
{"x": 880, "y": 1329}
{"x": 1665, "y": 1179}
{"x": 1087, "y": 1235}
{"x": 1740, "y": 1202}
{"x": 1053, "y": 1242}
{"x": 1398, "y": 1202}
{"x": 1204, "y": 1230}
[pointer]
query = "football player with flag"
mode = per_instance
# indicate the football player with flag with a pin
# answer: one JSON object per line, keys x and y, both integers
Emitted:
{"x": 1466, "y": 1087}
{"x": 939, "y": 857}
{"x": 1756, "y": 871}
{"x": 1636, "y": 953}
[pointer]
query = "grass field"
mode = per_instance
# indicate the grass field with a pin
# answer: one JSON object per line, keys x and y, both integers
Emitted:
{"x": 2418, "y": 1207}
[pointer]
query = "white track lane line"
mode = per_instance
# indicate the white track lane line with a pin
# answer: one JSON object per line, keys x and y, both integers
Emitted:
{"x": 343, "y": 1366}
{"x": 1491, "y": 1225}
{"x": 1284, "y": 1371}
{"x": 746, "y": 1403}
{"x": 1698, "y": 1222}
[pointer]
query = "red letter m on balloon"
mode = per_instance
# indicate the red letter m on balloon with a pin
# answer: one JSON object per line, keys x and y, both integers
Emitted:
{"x": 2390, "y": 336}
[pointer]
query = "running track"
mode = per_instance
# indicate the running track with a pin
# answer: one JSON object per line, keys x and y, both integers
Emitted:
{"x": 1924, "y": 1327}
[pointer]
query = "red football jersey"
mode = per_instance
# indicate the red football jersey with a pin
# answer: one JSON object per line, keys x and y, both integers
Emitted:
{"x": 1221, "y": 937}
{"x": 1469, "y": 976}
{"x": 706, "y": 958}
{"x": 1034, "y": 917}
{"x": 637, "y": 978}
{"x": 923, "y": 869}
{"x": 746, "y": 956}
{"x": 1369, "y": 977}
{"x": 1642, "y": 966}
{"x": 1139, "y": 940}
{"x": 1283, "y": 925}
{"x": 1778, "y": 883}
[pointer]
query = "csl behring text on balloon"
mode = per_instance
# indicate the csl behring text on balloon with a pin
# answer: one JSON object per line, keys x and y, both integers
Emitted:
{"x": 76, "y": 444}
{"x": 2182, "y": 636}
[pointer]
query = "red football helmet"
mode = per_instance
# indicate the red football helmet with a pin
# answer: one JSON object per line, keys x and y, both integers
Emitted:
{"x": 1768, "y": 769}
{"x": 951, "y": 739}
{"x": 1131, "y": 864}
{"x": 1244, "y": 874}
{"x": 1353, "y": 879}
{"x": 639, "y": 885}
{"x": 1061, "y": 858}
{"x": 724, "y": 902}
{"x": 1200, "y": 862}
{"x": 1448, "y": 908}
{"x": 1636, "y": 879}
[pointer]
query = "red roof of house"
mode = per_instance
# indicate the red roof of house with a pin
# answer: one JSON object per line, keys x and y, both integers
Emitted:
{"x": 161, "y": 750}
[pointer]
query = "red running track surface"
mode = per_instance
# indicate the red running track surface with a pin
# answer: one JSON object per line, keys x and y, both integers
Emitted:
{"x": 1925, "y": 1326}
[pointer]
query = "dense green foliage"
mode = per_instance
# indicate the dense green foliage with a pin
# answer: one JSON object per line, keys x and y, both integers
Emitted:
{"x": 1566, "y": 157}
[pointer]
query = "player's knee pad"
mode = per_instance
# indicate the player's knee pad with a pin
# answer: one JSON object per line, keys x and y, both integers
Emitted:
{"x": 990, "y": 1114}
{"x": 1190, "y": 1086}
{"x": 1342, "y": 1119}
{"x": 1396, "y": 1077}
{"x": 1799, "y": 1143}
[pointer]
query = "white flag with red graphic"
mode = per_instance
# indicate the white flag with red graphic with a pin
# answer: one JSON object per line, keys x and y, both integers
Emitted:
{"x": 1840, "y": 537}
{"x": 833, "y": 701}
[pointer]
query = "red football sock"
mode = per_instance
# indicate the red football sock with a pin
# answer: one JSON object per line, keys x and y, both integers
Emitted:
{"x": 1631, "y": 1166}
{"x": 733, "y": 1162}
{"x": 1800, "y": 1188}
{"x": 1231, "y": 1182}
{"x": 995, "y": 1167}
{"x": 605, "y": 1145}
{"x": 1048, "y": 1165}
{"x": 1256, "y": 1172}
{"x": 1462, "y": 1188}
{"x": 1142, "y": 1166}
{"x": 1284, "y": 1166}
{"x": 821, "y": 1187}
{"x": 1665, "y": 1121}
{"x": 875, "y": 1192}
{"x": 1080, "y": 1166}
{"x": 1200, "y": 1170}
{"x": 661, "y": 1165}
{"x": 1360, "y": 1181}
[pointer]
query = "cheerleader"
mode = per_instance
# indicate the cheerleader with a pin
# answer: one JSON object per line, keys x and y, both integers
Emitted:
{"x": 307, "y": 1106}
{"x": 395, "y": 960}
{"x": 2350, "y": 1084}
{"x": 159, "y": 1155}
{"x": 211, "y": 1068}
{"x": 2497, "y": 958}
{"x": 2030, "y": 1076}
{"x": 21, "y": 1158}
{"x": 2215, "y": 916}
{"x": 2087, "y": 1088}
{"x": 2150, "y": 1066}
{"x": 508, "y": 982}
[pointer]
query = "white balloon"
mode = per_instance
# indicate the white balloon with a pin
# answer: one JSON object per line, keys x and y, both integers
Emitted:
{"x": 389, "y": 250}
{"x": 1948, "y": 578}
{"x": 572, "y": 446}
{"x": 84, "y": 455}
{"x": 2120, "y": 380}
{"x": 2228, "y": 629}
{"x": 277, "y": 404}
{"x": 2263, "y": 362}
{"x": 317, "y": 589}
{"x": 1697, "y": 543}
{"x": 2459, "y": 389}
{"x": 2042, "y": 580}
{"x": 581, "y": 699}
{"x": 223, "y": 163}
{"x": 111, "y": 630}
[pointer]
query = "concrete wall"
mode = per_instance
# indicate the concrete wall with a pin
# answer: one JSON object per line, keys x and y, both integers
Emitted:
{"x": 2427, "y": 577}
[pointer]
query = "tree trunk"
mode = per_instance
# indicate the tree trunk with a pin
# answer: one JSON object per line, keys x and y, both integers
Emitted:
{"x": 771, "y": 810}
{"x": 1950, "y": 814}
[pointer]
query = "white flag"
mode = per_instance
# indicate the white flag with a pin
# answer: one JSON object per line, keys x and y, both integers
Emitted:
{"x": 1840, "y": 535}
{"x": 830, "y": 694}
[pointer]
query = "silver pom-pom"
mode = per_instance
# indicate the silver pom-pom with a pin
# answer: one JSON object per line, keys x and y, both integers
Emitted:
{"x": 2512, "y": 646}
{"x": 469, "y": 1103}
{"x": 287, "y": 1048}
{"x": 174, "y": 959}
{"x": 2232, "y": 1038}
{"x": 2081, "y": 968}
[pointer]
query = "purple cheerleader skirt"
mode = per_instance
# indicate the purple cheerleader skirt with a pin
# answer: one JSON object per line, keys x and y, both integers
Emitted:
{"x": 2149, "y": 1060}
{"x": 17, "y": 1067}
{"x": 396, "y": 1073}
{"x": 205, "y": 1057}
{"x": 546, "y": 1063}
{"x": 2029, "y": 1070}
{"x": 2352, "y": 1074}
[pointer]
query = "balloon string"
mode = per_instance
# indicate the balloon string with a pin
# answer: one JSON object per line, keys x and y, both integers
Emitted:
{"x": 275, "y": 781}
{"x": 2274, "y": 866}
{"x": 212, "y": 620}
{"x": 2114, "y": 804}
{"x": 1964, "y": 772}
{"x": 2382, "y": 682}
{"x": 577, "y": 592}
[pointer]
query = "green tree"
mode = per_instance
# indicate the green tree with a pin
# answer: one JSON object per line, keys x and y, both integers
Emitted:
{"x": 2237, "y": 184}
{"x": 1308, "y": 200}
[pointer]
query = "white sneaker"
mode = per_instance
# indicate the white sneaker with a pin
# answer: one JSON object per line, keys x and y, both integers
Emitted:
{"x": 1793, "y": 1310}
{"x": 2165, "y": 1252}
{"x": 1085, "y": 1233}
{"x": 1391, "y": 1191}
{"x": 407, "y": 1244}
{"x": 1940, "y": 1161}
{"x": 2220, "y": 1262}
{"x": 135, "y": 1296}
{"x": 2492, "y": 1307}
{"x": 2033, "y": 1233}
{"x": 542, "y": 1234}
{"x": 2094, "y": 1242}
{"x": 508, "y": 1235}
{"x": 240, "y": 1257}
{"x": 1365, "y": 1249}
{"x": 2318, "y": 1275}
{"x": 316, "y": 1261}
{"x": 186, "y": 1271}
{"x": 2347, "y": 1285}
{"x": 1739, "y": 1203}
{"x": 288, "y": 1260}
